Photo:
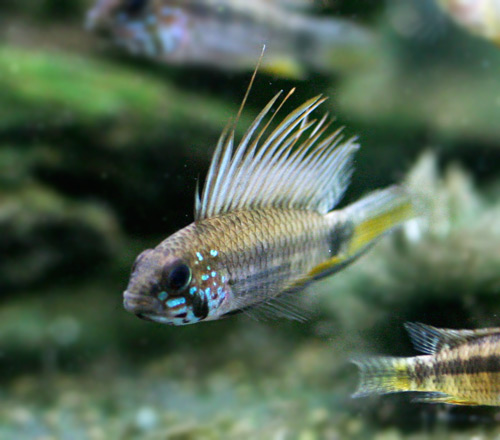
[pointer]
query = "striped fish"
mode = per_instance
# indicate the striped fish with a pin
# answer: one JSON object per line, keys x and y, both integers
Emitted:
{"x": 459, "y": 367}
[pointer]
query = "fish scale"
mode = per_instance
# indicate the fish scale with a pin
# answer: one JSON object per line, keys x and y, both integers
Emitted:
{"x": 284, "y": 234}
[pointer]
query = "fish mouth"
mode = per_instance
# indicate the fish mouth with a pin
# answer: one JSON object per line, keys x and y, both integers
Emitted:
{"x": 141, "y": 305}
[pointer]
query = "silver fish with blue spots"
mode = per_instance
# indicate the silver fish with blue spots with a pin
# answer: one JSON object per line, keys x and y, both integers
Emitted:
{"x": 264, "y": 226}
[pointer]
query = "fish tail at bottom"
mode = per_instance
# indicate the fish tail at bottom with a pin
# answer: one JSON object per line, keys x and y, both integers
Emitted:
{"x": 382, "y": 375}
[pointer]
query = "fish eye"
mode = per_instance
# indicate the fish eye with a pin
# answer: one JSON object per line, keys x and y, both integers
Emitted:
{"x": 179, "y": 277}
{"x": 134, "y": 6}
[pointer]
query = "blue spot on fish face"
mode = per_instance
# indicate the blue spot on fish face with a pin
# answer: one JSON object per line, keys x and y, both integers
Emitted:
{"x": 208, "y": 267}
{"x": 174, "y": 302}
{"x": 201, "y": 300}
{"x": 199, "y": 256}
{"x": 213, "y": 253}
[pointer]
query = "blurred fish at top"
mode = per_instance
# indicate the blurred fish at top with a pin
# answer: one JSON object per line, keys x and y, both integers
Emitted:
{"x": 480, "y": 17}
{"x": 229, "y": 34}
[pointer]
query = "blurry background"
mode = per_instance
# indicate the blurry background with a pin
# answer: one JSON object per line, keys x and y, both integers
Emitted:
{"x": 100, "y": 151}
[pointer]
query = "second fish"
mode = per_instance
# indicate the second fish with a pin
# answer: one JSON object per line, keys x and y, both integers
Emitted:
{"x": 229, "y": 35}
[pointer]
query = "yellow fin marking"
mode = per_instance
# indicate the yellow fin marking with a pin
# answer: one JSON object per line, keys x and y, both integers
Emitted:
{"x": 371, "y": 228}
{"x": 328, "y": 264}
{"x": 364, "y": 233}
{"x": 382, "y": 375}
{"x": 284, "y": 68}
{"x": 401, "y": 379}
{"x": 450, "y": 400}
{"x": 316, "y": 270}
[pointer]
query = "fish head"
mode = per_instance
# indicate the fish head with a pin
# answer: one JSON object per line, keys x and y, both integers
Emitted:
{"x": 145, "y": 27}
{"x": 130, "y": 23}
{"x": 174, "y": 287}
{"x": 107, "y": 12}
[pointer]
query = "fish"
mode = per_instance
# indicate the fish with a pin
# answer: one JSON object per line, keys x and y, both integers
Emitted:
{"x": 458, "y": 367}
{"x": 264, "y": 225}
{"x": 228, "y": 35}
{"x": 480, "y": 17}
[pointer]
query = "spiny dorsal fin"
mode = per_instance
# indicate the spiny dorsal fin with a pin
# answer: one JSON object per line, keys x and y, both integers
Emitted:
{"x": 429, "y": 340}
{"x": 295, "y": 167}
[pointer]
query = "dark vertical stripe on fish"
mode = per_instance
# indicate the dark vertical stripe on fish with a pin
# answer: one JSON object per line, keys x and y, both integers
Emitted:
{"x": 341, "y": 235}
{"x": 420, "y": 372}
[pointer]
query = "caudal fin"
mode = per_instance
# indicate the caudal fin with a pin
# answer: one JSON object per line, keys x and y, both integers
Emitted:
{"x": 382, "y": 375}
{"x": 376, "y": 214}
{"x": 362, "y": 223}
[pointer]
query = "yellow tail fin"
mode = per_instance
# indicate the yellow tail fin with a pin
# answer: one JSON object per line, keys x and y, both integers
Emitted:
{"x": 382, "y": 375}
{"x": 362, "y": 223}
{"x": 377, "y": 214}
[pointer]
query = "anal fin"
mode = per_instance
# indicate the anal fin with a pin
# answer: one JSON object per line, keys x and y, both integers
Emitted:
{"x": 327, "y": 267}
{"x": 443, "y": 398}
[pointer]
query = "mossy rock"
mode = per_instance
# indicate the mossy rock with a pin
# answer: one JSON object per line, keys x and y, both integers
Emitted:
{"x": 45, "y": 236}
{"x": 448, "y": 90}
{"x": 47, "y": 10}
{"x": 56, "y": 91}
{"x": 109, "y": 132}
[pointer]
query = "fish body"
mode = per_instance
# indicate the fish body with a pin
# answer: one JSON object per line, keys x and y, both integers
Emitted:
{"x": 461, "y": 367}
{"x": 230, "y": 34}
{"x": 264, "y": 226}
{"x": 480, "y": 17}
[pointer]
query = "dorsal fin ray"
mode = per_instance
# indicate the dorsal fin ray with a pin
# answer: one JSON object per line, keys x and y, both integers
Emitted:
{"x": 297, "y": 166}
{"x": 239, "y": 154}
{"x": 429, "y": 340}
